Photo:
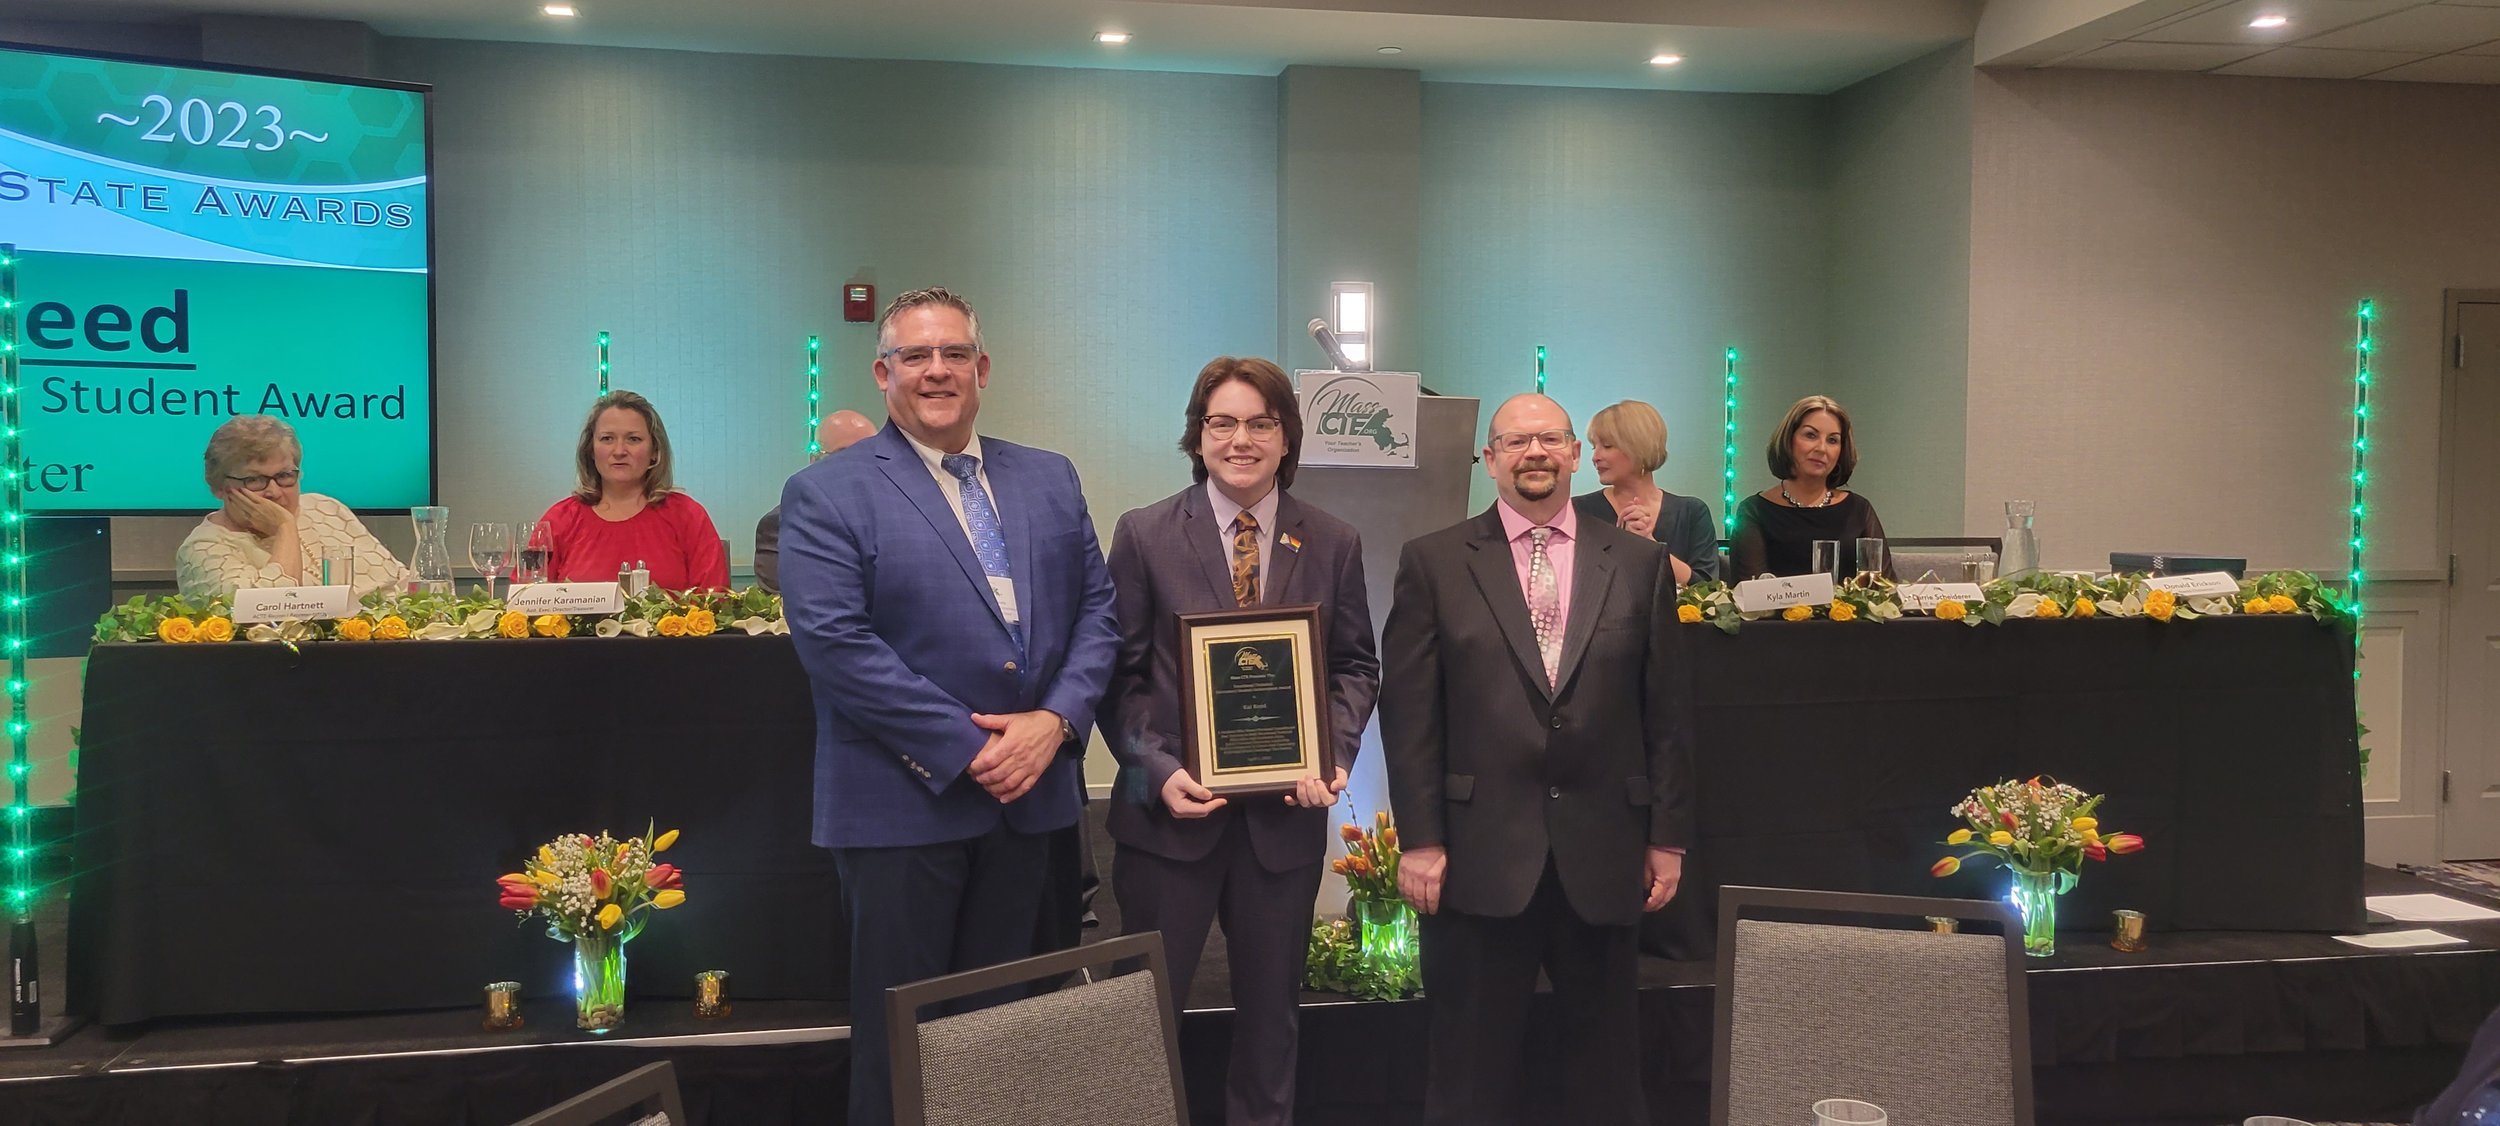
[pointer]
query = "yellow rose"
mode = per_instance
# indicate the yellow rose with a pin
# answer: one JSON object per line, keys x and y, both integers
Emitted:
{"x": 1844, "y": 612}
{"x": 1688, "y": 614}
{"x": 667, "y": 899}
{"x": 355, "y": 629}
{"x": 1797, "y": 613}
{"x": 512, "y": 623}
{"x": 2086, "y": 824}
{"x": 2255, "y": 606}
{"x": 2282, "y": 604}
{"x": 177, "y": 630}
{"x": 217, "y": 629}
{"x": 553, "y": 625}
{"x": 392, "y": 627}
{"x": 2086, "y": 608}
{"x": 2000, "y": 838}
{"x": 1951, "y": 610}
{"x": 609, "y": 916}
{"x": 1958, "y": 836}
{"x": 2048, "y": 608}
{"x": 672, "y": 625}
{"x": 2160, "y": 604}
{"x": 700, "y": 623}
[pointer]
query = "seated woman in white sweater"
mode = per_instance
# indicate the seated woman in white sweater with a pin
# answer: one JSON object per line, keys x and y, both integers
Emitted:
{"x": 270, "y": 532}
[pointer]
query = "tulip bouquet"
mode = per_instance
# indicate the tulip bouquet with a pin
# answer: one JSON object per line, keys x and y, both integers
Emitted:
{"x": 1370, "y": 863}
{"x": 596, "y": 893}
{"x": 2042, "y": 833}
{"x": 1372, "y": 954}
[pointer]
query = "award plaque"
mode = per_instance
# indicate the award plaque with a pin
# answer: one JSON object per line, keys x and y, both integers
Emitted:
{"x": 1254, "y": 707}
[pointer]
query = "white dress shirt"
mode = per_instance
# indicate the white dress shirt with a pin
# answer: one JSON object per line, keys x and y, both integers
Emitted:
{"x": 1003, "y": 593}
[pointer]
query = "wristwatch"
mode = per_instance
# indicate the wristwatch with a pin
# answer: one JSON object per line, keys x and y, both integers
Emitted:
{"x": 1067, "y": 731}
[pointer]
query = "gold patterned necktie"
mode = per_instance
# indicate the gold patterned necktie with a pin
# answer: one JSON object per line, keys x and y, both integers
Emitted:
{"x": 1544, "y": 603}
{"x": 1245, "y": 559}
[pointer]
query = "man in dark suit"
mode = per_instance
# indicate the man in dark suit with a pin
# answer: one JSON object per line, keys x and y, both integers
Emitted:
{"x": 1534, "y": 716}
{"x": 836, "y": 432}
{"x": 950, "y": 604}
{"x": 1187, "y": 857}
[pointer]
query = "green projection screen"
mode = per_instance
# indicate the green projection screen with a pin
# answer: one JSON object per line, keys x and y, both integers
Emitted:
{"x": 202, "y": 243}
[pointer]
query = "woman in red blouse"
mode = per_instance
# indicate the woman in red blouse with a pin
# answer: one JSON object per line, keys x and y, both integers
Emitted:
{"x": 625, "y": 510}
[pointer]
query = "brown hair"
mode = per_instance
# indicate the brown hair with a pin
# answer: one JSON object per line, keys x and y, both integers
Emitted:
{"x": 1635, "y": 428}
{"x": 913, "y": 299}
{"x": 1263, "y": 377}
{"x": 656, "y": 481}
{"x": 1784, "y": 463}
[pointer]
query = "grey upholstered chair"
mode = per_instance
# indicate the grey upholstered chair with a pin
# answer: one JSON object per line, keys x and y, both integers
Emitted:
{"x": 1941, "y": 559}
{"x": 645, "y": 1096}
{"x": 1103, "y": 1051}
{"x": 1931, "y": 1027}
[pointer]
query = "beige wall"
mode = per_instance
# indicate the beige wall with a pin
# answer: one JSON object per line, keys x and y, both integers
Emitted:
{"x": 2163, "y": 273}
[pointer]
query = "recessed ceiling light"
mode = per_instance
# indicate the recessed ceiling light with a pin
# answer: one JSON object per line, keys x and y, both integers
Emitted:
{"x": 1392, "y": 50}
{"x": 1665, "y": 60}
{"x": 1111, "y": 38}
{"x": 2269, "y": 22}
{"x": 566, "y": 10}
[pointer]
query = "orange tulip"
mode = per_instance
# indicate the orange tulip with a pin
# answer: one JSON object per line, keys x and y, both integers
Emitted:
{"x": 1945, "y": 867}
{"x": 2124, "y": 843}
{"x": 1349, "y": 832}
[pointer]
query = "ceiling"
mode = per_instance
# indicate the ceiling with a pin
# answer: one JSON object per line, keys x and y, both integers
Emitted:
{"x": 1754, "y": 46}
{"x": 2387, "y": 40}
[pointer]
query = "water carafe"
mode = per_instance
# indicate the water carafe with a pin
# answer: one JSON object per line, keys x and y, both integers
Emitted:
{"x": 2022, "y": 545}
{"x": 429, "y": 566}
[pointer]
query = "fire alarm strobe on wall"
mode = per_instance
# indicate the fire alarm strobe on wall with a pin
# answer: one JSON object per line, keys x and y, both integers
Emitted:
{"x": 859, "y": 302}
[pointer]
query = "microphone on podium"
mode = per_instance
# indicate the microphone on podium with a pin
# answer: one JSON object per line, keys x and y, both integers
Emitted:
{"x": 1327, "y": 339}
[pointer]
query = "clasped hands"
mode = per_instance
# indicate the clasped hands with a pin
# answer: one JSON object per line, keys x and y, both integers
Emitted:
{"x": 1422, "y": 869}
{"x": 1019, "y": 749}
{"x": 1187, "y": 799}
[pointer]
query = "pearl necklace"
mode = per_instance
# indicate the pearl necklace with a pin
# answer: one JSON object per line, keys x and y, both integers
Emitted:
{"x": 1826, "y": 502}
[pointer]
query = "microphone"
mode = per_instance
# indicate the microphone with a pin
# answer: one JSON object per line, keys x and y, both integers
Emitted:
{"x": 1327, "y": 339}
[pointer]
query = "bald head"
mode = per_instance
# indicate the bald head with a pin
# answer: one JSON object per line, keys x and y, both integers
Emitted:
{"x": 1540, "y": 412}
{"x": 840, "y": 429}
{"x": 1534, "y": 478}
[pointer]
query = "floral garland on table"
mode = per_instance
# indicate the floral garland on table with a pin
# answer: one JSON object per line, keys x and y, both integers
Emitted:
{"x": 392, "y": 616}
{"x": 2040, "y": 595}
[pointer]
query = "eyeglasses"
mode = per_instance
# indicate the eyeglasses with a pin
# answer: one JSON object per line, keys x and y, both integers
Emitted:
{"x": 1222, "y": 426}
{"x": 917, "y": 356}
{"x": 1554, "y": 440}
{"x": 258, "y": 481}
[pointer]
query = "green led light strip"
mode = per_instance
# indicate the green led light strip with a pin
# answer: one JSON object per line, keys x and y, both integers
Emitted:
{"x": 813, "y": 447}
{"x": 1540, "y": 369}
{"x": 13, "y": 596}
{"x": 603, "y": 363}
{"x": 1727, "y": 453}
{"x": 2362, "y": 348}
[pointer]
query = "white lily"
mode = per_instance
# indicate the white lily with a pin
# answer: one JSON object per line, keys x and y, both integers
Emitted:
{"x": 608, "y": 627}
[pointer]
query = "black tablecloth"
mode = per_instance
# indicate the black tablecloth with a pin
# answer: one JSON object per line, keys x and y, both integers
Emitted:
{"x": 1828, "y": 755}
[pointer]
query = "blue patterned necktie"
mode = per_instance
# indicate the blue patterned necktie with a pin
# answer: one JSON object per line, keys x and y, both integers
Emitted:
{"x": 989, "y": 545}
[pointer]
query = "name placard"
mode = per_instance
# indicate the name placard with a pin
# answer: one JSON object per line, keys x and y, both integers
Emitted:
{"x": 1923, "y": 597}
{"x": 2203, "y": 584}
{"x": 254, "y": 605}
{"x": 565, "y": 598}
{"x": 1782, "y": 592}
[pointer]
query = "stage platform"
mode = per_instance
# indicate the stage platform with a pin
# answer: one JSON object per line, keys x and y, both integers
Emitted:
{"x": 2205, "y": 1027}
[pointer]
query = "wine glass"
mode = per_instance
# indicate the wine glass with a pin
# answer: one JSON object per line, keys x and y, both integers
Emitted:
{"x": 536, "y": 541}
{"x": 490, "y": 547}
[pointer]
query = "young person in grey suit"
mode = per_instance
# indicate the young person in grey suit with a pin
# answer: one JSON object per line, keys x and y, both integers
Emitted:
{"x": 1534, "y": 719}
{"x": 1186, "y": 857}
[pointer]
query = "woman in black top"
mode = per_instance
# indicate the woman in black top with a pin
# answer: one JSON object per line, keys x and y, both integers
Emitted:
{"x": 1628, "y": 442}
{"x": 1813, "y": 454}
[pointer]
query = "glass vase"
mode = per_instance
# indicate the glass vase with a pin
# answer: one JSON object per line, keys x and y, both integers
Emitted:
{"x": 2035, "y": 895}
{"x": 1388, "y": 953}
{"x": 599, "y": 980}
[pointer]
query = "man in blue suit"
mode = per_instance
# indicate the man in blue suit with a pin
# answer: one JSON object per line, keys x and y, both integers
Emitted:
{"x": 951, "y": 606}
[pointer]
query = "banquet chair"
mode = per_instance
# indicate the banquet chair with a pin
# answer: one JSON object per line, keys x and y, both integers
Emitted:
{"x": 1939, "y": 559}
{"x": 645, "y": 1096}
{"x": 1104, "y": 1050}
{"x": 1930, "y": 1027}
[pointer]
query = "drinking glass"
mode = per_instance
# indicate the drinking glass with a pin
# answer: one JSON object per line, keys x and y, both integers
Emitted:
{"x": 1978, "y": 567}
{"x": 1849, "y": 1112}
{"x": 490, "y": 547}
{"x": 1870, "y": 555}
{"x": 1827, "y": 558}
{"x": 535, "y": 540}
{"x": 333, "y": 566}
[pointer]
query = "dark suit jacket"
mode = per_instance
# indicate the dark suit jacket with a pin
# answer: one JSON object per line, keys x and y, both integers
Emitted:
{"x": 1485, "y": 760}
{"x": 1169, "y": 558}
{"x": 768, "y": 550}
{"x": 902, "y": 640}
{"x": 2482, "y": 1067}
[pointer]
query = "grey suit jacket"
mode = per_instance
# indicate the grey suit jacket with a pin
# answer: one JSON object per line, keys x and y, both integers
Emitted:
{"x": 1488, "y": 761}
{"x": 1168, "y": 558}
{"x": 768, "y": 551}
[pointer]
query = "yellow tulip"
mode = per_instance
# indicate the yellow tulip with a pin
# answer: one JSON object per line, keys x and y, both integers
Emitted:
{"x": 2091, "y": 836}
{"x": 546, "y": 857}
{"x": 2000, "y": 838}
{"x": 667, "y": 899}
{"x": 1958, "y": 836}
{"x": 609, "y": 916}
{"x": 2087, "y": 823}
{"x": 666, "y": 839}
{"x": 513, "y": 878}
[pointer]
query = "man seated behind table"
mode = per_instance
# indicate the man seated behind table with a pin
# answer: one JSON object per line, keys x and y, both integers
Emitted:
{"x": 626, "y": 508}
{"x": 835, "y": 432}
{"x": 269, "y": 531}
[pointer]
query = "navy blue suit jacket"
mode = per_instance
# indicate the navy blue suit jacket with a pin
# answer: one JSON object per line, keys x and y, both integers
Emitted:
{"x": 902, "y": 641}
